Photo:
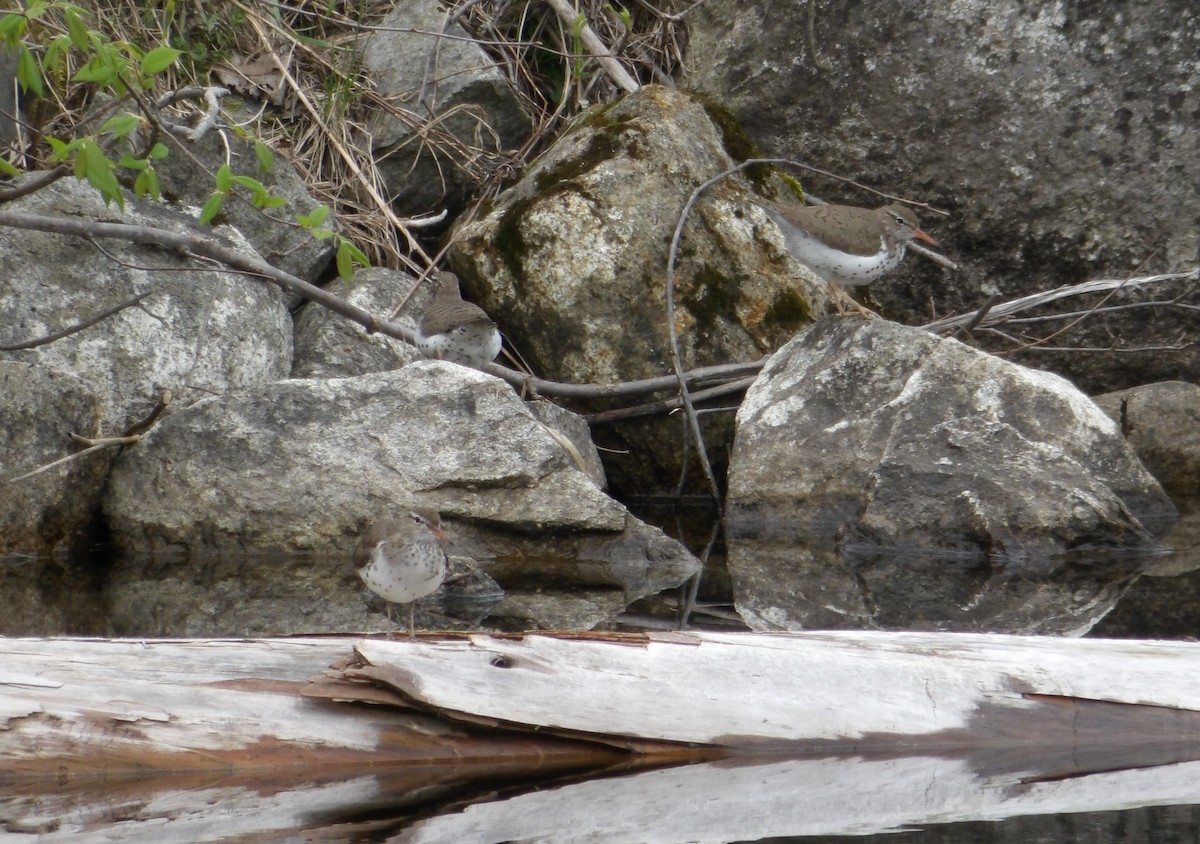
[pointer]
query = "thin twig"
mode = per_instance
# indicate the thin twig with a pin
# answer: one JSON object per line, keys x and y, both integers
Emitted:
{"x": 666, "y": 405}
{"x": 597, "y": 48}
{"x": 676, "y": 355}
{"x": 107, "y": 442}
{"x": 147, "y": 422}
{"x": 967, "y": 328}
{"x": 80, "y": 326}
{"x": 999, "y": 313}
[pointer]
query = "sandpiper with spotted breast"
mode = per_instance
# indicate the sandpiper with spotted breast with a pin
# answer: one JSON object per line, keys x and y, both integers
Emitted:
{"x": 403, "y": 561}
{"x": 845, "y": 244}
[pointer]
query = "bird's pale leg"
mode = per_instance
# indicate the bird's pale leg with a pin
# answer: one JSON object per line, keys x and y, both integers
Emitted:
{"x": 844, "y": 304}
{"x": 412, "y": 631}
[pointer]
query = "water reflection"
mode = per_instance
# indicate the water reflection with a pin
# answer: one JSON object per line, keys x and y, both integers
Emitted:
{"x": 734, "y": 799}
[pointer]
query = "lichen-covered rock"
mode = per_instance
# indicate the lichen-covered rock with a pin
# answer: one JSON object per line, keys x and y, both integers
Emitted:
{"x": 572, "y": 260}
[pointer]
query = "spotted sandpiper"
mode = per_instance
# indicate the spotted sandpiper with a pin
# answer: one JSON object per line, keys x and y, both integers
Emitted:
{"x": 455, "y": 330}
{"x": 403, "y": 561}
{"x": 845, "y": 244}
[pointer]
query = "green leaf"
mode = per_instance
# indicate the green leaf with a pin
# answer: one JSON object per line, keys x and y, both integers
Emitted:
{"x": 359, "y": 256}
{"x": 159, "y": 59}
{"x": 159, "y": 151}
{"x": 274, "y": 201}
{"x": 29, "y": 74}
{"x": 12, "y": 29}
{"x": 316, "y": 218}
{"x": 212, "y": 207}
{"x": 56, "y": 55}
{"x": 130, "y": 163}
{"x": 345, "y": 260}
{"x": 122, "y": 124}
{"x": 266, "y": 159}
{"x": 77, "y": 30}
{"x": 96, "y": 71}
{"x": 146, "y": 184}
{"x": 59, "y": 149}
{"x": 224, "y": 178}
{"x": 7, "y": 169}
{"x": 250, "y": 184}
{"x": 99, "y": 172}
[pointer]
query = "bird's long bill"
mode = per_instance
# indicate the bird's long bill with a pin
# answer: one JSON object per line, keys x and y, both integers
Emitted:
{"x": 920, "y": 235}
{"x": 439, "y": 533}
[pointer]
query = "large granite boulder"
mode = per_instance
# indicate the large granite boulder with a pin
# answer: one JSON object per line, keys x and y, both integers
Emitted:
{"x": 962, "y": 491}
{"x": 887, "y": 436}
{"x": 305, "y": 465}
{"x": 200, "y": 330}
{"x": 1061, "y": 138}
{"x": 572, "y": 262}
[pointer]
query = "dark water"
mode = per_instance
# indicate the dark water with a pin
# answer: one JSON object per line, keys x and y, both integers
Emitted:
{"x": 859, "y": 798}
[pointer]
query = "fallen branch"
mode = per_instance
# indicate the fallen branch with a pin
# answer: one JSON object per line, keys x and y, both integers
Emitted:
{"x": 77, "y": 327}
{"x": 596, "y": 48}
{"x": 1000, "y": 313}
{"x": 131, "y": 436}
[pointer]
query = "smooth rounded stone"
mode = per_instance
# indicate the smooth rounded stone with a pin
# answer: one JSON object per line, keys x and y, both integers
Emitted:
{"x": 1162, "y": 423}
{"x": 885, "y": 436}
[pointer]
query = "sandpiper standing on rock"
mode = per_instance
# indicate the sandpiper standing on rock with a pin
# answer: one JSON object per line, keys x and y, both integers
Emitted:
{"x": 455, "y": 330}
{"x": 846, "y": 244}
{"x": 401, "y": 562}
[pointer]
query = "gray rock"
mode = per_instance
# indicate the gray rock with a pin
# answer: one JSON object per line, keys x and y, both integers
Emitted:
{"x": 188, "y": 180}
{"x": 571, "y": 262}
{"x": 54, "y": 509}
{"x": 303, "y": 465}
{"x": 890, "y": 437}
{"x": 327, "y": 345}
{"x": 965, "y": 492}
{"x": 200, "y": 332}
{"x": 468, "y": 101}
{"x": 575, "y": 428}
{"x": 1162, "y": 423}
{"x": 1061, "y": 138}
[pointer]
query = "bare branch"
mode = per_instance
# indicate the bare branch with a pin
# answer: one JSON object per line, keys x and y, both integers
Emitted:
{"x": 667, "y": 405}
{"x": 597, "y": 48}
{"x": 999, "y": 313}
{"x": 147, "y": 422}
{"x": 67, "y": 332}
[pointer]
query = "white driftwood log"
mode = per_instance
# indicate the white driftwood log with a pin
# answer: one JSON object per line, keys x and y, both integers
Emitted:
{"x": 852, "y": 689}
{"x": 78, "y": 707}
{"x": 1007, "y": 725}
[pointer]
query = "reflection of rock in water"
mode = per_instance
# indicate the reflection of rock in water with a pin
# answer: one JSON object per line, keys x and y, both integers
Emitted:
{"x": 789, "y": 586}
{"x": 466, "y": 598}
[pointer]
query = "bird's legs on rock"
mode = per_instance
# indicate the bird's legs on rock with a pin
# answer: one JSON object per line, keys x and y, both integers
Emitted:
{"x": 845, "y": 305}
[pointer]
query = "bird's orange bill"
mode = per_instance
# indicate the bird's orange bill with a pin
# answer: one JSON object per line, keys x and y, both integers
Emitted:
{"x": 438, "y": 532}
{"x": 920, "y": 235}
